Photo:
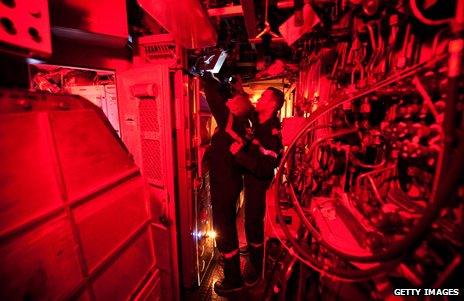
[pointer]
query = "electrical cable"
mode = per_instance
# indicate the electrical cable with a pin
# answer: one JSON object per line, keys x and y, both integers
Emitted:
{"x": 418, "y": 14}
{"x": 449, "y": 183}
{"x": 398, "y": 249}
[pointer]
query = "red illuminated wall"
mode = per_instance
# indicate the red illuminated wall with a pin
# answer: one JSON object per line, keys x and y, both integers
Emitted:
{"x": 74, "y": 221}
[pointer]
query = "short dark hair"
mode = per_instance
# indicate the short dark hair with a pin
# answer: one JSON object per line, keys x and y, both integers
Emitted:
{"x": 279, "y": 96}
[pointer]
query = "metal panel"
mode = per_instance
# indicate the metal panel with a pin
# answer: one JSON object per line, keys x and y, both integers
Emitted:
{"x": 147, "y": 129}
{"x": 108, "y": 220}
{"x": 91, "y": 20}
{"x": 112, "y": 106}
{"x": 151, "y": 291}
{"x": 186, "y": 20}
{"x": 28, "y": 186}
{"x": 95, "y": 94}
{"x": 124, "y": 275}
{"x": 186, "y": 169}
{"x": 193, "y": 185}
{"x": 163, "y": 241}
{"x": 101, "y": 17}
{"x": 204, "y": 228}
{"x": 150, "y": 121}
{"x": 149, "y": 117}
{"x": 41, "y": 264}
{"x": 83, "y": 296}
{"x": 25, "y": 27}
{"x": 73, "y": 204}
{"x": 151, "y": 158}
{"x": 89, "y": 154}
{"x": 203, "y": 211}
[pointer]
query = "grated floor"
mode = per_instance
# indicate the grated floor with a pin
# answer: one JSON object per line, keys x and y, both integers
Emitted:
{"x": 206, "y": 293}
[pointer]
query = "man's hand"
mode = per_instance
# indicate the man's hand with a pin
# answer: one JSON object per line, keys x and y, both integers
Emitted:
{"x": 235, "y": 147}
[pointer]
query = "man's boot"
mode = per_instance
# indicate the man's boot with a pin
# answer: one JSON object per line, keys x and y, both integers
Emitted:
{"x": 232, "y": 281}
{"x": 254, "y": 268}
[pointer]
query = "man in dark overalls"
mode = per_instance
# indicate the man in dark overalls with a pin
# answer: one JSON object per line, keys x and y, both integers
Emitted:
{"x": 226, "y": 182}
{"x": 259, "y": 158}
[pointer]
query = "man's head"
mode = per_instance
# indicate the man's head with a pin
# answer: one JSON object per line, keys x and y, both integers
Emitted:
{"x": 240, "y": 105}
{"x": 270, "y": 101}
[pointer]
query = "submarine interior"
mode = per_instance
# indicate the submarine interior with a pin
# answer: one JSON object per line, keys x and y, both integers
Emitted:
{"x": 106, "y": 128}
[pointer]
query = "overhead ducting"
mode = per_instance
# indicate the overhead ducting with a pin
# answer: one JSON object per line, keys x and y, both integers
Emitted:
{"x": 185, "y": 20}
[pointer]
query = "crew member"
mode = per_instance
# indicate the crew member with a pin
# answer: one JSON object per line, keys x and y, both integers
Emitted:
{"x": 226, "y": 182}
{"x": 260, "y": 158}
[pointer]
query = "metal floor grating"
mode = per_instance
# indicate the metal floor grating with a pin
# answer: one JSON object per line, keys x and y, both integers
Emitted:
{"x": 206, "y": 293}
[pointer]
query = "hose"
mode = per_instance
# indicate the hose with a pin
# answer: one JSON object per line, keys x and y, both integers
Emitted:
{"x": 418, "y": 14}
{"x": 415, "y": 235}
